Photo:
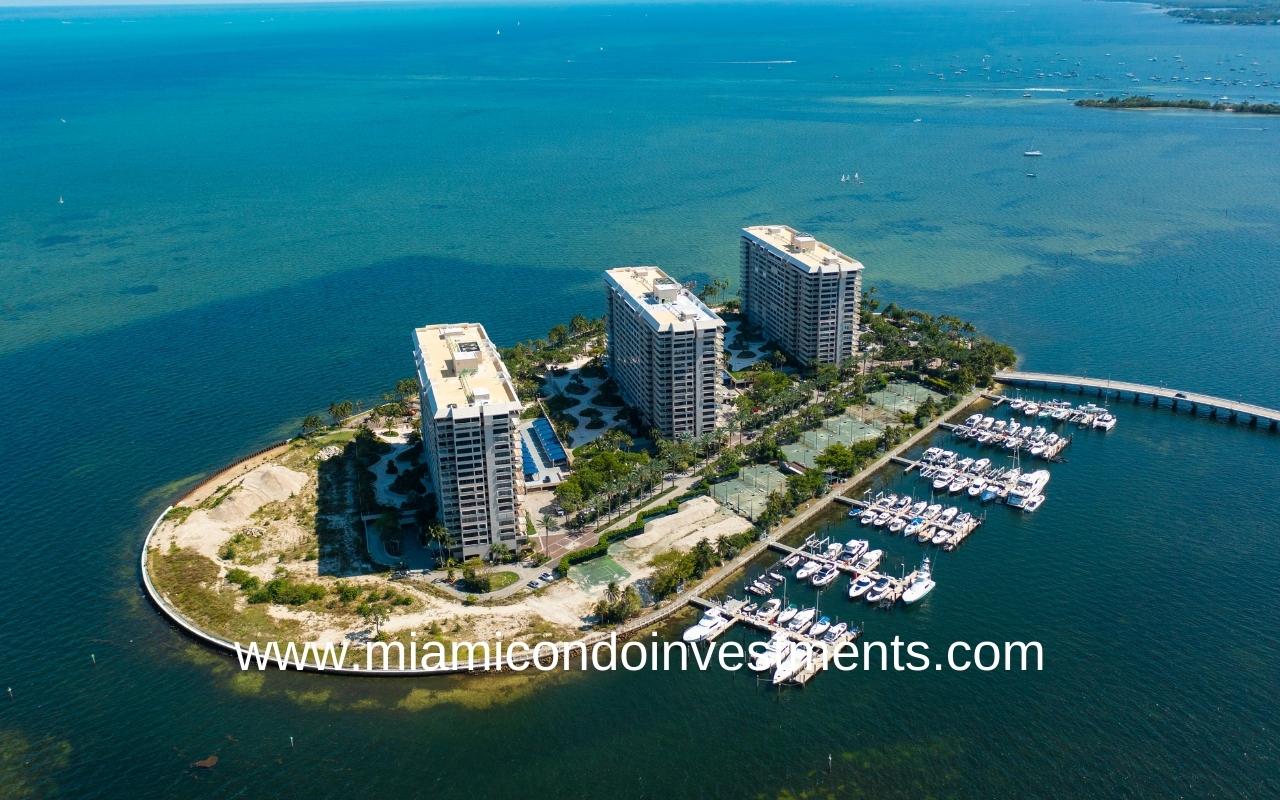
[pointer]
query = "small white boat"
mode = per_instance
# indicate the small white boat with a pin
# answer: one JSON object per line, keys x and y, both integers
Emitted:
{"x": 836, "y": 633}
{"x": 948, "y": 515}
{"x": 787, "y": 614}
{"x": 1031, "y": 153}
{"x": 976, "y": 487}
{"x": 918, "y": 508}
{"x": 790, "y": 561}
{"x": 807, "y": 570}
{"x": 777, "y": 648}
{"x": 1104, "y": 421}
{"x": 882, "y": 519}
{"x": 770, "y": 609}
{"x": 958, "y": 484}
{"x": 927, "y": 533}
{"x": 932, "y": 511}
{"x": 820, "y": 627}
{"x": 834, "y": 549}
{"x": 920, "y": 585}
{"x": 860, "y": 586}
{"x": 981, "y": 464}
{"x": 1033, "y": 503}
{"x": 897, "y": 525}
{"x": 913, "y": 527}
{"x": 867, "y": 517}
{"x": 1017, "y": 405}
{"x": 1031, "y": 409}
{"x": 940, "y": 537}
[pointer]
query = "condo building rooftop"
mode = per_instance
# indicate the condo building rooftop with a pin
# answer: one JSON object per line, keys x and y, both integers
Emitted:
{"x": 661, "y": 299}
{"x": 460, "y": 368}
{"x": 802, "y": 249}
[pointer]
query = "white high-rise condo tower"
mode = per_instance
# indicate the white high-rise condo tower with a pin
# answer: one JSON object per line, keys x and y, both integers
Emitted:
{"x": 802, "y": 294}
{"x": 665, "y": 350}
{"x": 470, "y": 416}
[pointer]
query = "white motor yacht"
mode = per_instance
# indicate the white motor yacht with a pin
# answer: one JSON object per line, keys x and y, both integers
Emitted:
{"x": 836, "y": 633}
{"x": 794, "y": 663}
{"x": 860, "y": 586}
{"x": 856, "y": 547}
{"x": 913, "y": 527}
{"x": 869, "y": 560}
{"x": 882, "y": 519}
{"x": 943, "y": 480}
{"x": 976, "y": 487}
{"x": 940, "y": 537}
{"x": 1027, "y": 487}
{"x": 867, "y": 517}
{"x": 948, "y": 515}
{"x": 932, "y": 511}
{"x": 878, "y": 590}
{"x": 897, "y": 525}
{"x": 770, "y": 609}
{"x": 958, "y": 484}
{"x": 774, "y": 651}
{"x": 711, "y": 623}
{"x": 1104, "y": 421}
{"x": 801, "y": 620}
{"x": 820, "y": 627}
{"x": 825, "y": 576}
{"x": 921, "y": 584}
{"x": 1033, "y": 503}
{"x": 807, "y": 569}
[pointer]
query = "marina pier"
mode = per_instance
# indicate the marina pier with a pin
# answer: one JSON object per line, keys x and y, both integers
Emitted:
{"x": 822, "y": 651}
{"x": 1197, "y": 403}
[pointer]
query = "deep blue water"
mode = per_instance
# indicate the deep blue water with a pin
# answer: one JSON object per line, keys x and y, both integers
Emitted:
{"x": 260, "y": 203}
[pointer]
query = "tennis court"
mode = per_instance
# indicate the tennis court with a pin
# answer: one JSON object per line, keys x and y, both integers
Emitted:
{"x": 597, "y": 572}
{"x": 747, "y": 493}
{"x": 903, "y": 396}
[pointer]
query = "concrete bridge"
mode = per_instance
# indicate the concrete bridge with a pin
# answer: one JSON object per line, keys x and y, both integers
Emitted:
{"x": 1196, "y": 403}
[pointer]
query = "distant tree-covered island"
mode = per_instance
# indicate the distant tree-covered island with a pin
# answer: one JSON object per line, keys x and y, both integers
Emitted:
{"x": 1143, "y": 101}
{"x": 1223, "y": 12}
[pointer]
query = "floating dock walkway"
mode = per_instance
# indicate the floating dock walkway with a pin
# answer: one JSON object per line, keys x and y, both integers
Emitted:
{"x": 897, "y": 585}
{"x": 1234, "y": 410}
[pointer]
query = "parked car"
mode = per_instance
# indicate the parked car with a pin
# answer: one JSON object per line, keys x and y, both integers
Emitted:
{"x": 534, "y": 584}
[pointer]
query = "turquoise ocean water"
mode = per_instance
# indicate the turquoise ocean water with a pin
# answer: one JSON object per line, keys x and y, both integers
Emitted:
{"x": 259, "y": 203}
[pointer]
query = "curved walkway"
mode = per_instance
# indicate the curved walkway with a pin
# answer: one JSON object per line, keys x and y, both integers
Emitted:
{"x": 1233, "y": 409}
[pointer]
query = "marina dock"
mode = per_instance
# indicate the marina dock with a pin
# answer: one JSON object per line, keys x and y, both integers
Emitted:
{"x": 898, "y": 585}
{"x": 956, "y": 533}
{"x": 732, "y": 609}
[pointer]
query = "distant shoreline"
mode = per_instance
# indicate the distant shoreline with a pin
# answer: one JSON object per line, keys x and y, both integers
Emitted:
{"x": 1145, "y": 103}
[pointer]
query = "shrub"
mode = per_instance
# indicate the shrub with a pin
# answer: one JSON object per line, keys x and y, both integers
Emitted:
{"x": 283, "y": 590}
{"x": 243, "y": 579}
